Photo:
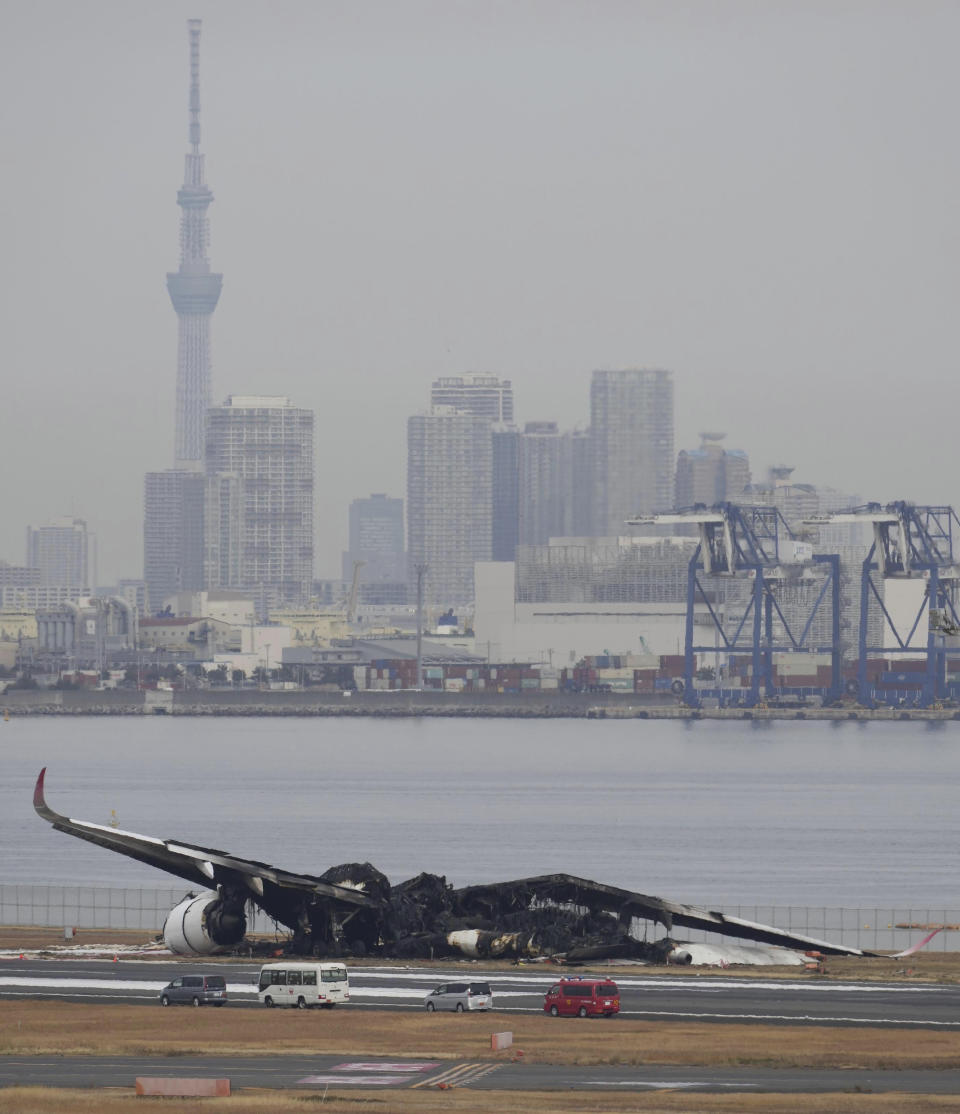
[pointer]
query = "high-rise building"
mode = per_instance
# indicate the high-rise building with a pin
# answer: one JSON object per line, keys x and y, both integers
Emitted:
{"x": 711, "y": 474}
{"x": 194, "y": 289}
{"x": 505, "y": 491}
{"x": 485, "y": 396}
{"x": 61, "y": 550}
{"x": 541, "y": 483}
{"x": 505, "y": 496}
{"x": 18, "y": 576}
{"x": 449, "y": 506}
{"x": 631, "y": 427}
{"x": 795, "y": 501}
{"x": 577, "y": 483}
{"x": 172, "y": 534}
{"x": 541, "y": 486}
{"x": 377, "y": 541}
{"x": 264, "y": 445}
{"x": 223, "y": 530}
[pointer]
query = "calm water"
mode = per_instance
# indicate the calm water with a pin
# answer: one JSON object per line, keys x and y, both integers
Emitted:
{"x": 725, "y": 813}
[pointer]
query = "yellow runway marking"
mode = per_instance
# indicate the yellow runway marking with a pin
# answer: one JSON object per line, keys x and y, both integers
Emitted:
{"x": 460, "y": 1076}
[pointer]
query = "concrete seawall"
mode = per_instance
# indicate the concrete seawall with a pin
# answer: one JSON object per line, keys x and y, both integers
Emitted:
{"x": 538, "y": 705}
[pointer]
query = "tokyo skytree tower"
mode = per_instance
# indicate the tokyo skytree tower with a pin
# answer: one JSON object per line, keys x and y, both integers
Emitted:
{"x": 194, "y": 290}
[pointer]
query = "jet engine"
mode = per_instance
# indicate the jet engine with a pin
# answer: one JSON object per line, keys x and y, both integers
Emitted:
{"x": 480, "y": 944}
{"x": 203, "y": 923}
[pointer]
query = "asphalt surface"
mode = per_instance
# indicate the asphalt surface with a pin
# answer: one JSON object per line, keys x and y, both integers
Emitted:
{"x": 755, "y": 1000}
{"x": 686, "y": 997}
{"x": 337, "y": 1072}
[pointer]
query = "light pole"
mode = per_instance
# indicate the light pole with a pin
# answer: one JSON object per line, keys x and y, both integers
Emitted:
{"x": 421, "y": 571}
{"x": 266, "y": 646}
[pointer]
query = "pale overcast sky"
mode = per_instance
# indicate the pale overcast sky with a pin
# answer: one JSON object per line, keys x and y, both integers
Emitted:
{"x": 760, "y": 196}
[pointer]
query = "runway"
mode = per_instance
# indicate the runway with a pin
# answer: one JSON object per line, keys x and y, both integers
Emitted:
{"x": 689, "y": 997}
{"x": 336, "y": 1072}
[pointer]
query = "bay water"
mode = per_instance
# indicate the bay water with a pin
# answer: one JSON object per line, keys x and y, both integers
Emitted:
{"x": 712, "y": 813}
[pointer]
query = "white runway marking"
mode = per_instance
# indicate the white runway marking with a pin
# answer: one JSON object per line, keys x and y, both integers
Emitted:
{"x": 411, "y": 1065}
{"x": 355, "y": 1080}
{"x": 705, "y": 985}
{"x": 133, "y": 985}
{"x": 660, "y": 1085}
{"x": 246, "y": 991}
{"x": 789, "y": 1017}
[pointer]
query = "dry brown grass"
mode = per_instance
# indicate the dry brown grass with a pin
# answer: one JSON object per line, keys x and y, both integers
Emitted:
{"x": 35, "y": 1100}
{"x": 33, "y": 937}
{"x": 45, "y": 1028}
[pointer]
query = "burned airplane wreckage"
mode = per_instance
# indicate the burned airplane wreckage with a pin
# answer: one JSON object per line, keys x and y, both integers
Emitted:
{"x": 353, "y": 910}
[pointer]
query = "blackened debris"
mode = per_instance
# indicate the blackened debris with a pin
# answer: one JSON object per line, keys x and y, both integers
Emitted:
{"x": 353, "y": 910}
{"x": 547, "y": 915}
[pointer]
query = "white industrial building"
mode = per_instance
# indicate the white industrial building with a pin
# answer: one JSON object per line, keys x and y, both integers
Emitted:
{"x": 563, "y": 632}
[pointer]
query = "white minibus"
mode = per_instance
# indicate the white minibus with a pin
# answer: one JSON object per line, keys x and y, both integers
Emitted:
{"x": 303, "y": 984}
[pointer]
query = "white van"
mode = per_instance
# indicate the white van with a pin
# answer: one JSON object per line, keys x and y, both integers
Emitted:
{"x": 303, "y": 984}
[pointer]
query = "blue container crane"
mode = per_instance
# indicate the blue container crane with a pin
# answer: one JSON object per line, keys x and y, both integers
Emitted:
{"x": 755, "y": 544}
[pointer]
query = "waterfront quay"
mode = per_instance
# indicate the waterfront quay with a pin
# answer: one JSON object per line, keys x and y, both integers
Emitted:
{"x": 539, "y": 705}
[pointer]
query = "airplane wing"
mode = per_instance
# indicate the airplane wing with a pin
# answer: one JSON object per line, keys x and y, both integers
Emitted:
{"x": 199, "y": 865}
{"x": 564, "y": 889}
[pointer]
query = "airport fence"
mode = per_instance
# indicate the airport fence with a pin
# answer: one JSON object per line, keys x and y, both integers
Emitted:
{"x": 99, "y": 907}
{"x": 871, "y": 929}
{"x": 874, "y": 929}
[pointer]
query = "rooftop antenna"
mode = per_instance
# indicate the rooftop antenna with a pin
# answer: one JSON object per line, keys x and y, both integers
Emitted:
{"x": 193, "y": 26}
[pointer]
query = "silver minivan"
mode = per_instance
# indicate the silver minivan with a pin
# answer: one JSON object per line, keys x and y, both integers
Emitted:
{"x": 460, "y": 996}
{"x": 195, "y": 990}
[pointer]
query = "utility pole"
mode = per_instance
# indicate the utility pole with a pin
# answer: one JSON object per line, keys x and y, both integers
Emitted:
{"x": 421, "y": 571}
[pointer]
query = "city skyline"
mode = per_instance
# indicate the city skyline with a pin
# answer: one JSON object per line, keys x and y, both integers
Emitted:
{"x": 775, "y": 230}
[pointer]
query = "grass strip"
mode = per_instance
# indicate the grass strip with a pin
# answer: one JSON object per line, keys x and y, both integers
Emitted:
{"x": 34, "y": 1028}
{"x": 39, "y": 1100}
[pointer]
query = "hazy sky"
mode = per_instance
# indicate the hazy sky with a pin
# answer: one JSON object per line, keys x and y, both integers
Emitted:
{"x": 761, "y": 196}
